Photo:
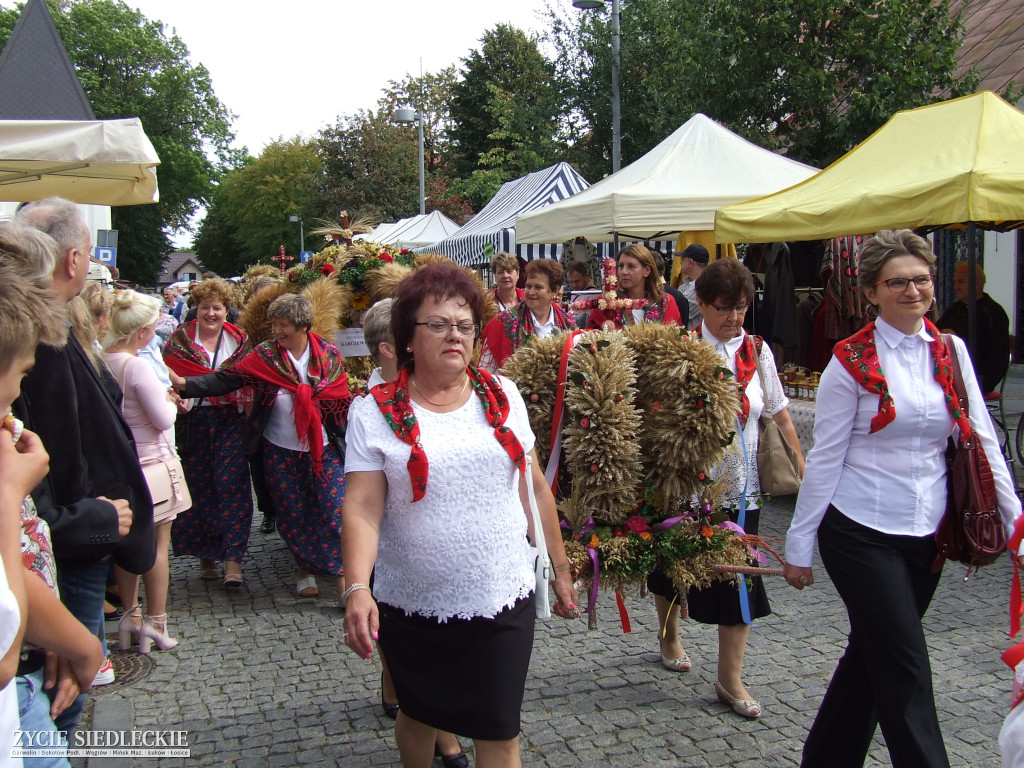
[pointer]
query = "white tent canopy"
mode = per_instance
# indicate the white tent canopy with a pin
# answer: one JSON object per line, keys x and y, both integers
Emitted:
{"x": 676, "y": 187}
{"x": 495, "y": 225}
{"x": 101, "y": 162}
{"x": 413, "y": 231}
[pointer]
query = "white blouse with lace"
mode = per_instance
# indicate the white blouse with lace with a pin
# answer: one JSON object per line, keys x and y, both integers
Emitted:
{"x": 770, "y": 402}
{"x": 460, "y": 551}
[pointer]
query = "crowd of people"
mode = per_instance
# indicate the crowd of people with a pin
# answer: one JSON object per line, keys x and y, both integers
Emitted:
{"x": 433, "y": 470}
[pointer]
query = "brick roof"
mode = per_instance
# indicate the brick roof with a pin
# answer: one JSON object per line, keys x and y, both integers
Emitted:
{"x": 993, "y": 41}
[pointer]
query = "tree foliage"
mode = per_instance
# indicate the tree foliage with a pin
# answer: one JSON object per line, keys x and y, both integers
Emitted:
{"x": 248, "y": 220}
{"x": 809, "y": 77}
{"x": 130, "y": 67}
{"x": 505, "y": 109}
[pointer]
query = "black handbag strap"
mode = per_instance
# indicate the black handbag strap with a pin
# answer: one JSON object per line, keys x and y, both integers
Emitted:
{"x": 213, "y": 360}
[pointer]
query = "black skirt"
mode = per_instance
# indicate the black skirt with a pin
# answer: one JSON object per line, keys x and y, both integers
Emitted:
{"x": 719, "y": 603}
{"x": 462, "y": 676}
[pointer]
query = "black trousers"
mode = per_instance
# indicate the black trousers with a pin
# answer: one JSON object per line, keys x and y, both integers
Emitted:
{"x": 884, "y": 678}
{"x": 259, "y": 483}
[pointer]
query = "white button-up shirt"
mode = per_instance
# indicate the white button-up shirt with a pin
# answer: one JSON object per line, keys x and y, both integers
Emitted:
{"x": 893, "y": 480}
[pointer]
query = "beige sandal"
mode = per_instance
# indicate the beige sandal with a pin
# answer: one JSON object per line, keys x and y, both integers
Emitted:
{"x": 306, "y": 587}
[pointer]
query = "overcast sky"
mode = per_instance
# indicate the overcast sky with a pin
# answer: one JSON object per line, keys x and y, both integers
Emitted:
{"x": 287, "y": 68}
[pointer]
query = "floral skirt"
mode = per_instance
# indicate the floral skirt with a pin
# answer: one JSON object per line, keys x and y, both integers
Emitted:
{"x": 217, "y": 526}
{"x": 308, "y": 507}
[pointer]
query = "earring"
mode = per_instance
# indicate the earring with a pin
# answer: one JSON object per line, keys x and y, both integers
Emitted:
{"x": 408, "y": 349}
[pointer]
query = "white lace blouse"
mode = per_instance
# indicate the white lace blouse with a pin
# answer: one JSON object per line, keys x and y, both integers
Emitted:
{"x": 770, "y": 402}
{"x": 460, "y": 551}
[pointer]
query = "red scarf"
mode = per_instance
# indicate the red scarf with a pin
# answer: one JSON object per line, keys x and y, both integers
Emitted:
{"x": 269, "y": 369}
{"x": 512, "y": 328}
{"x": 396, "y": 406}
{"x": 184, "y": 355}
{"x": 859, "y": 356}
{"x": 746, "y": 365}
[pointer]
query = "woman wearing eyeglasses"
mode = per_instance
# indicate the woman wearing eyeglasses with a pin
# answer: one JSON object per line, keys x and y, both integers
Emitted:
{"x": 724, "y": 291}
{"x": 874, "y": 493}
{"x": 437, "y": 472}
{"x": 638, "y": 279}
{"x": 537, "y": 315}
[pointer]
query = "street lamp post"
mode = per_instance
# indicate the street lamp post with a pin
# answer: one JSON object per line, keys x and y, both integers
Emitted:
{"x": 410, "y": 116}
{"x": 588, "y": 5}
{"x": 302, "y": 235}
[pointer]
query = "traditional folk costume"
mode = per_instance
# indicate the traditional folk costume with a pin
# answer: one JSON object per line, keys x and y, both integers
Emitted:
{"x": 665, "y": 312}
{"x": 304, "y": 469}
{"x": 512, "y": 328}
{"x": 453, "y": 579}
{"x": 520, "y": 296}
{"x": 721, "y": 602}
{"x": 210, "y": 442}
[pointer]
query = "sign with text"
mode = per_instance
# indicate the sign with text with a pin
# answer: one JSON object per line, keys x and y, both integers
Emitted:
{"x": 351, "y": 342}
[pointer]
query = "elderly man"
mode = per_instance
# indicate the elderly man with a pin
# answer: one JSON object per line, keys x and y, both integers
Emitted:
{"x": 992, "y": 357}
{"x": 95, "y": 498}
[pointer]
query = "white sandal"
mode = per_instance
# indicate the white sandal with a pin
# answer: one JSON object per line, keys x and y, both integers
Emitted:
{"x": 306, "y": 584}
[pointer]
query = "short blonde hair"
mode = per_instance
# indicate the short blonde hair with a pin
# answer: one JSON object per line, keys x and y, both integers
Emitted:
{"x": 131, "y": 312}
{"x": 377, "y": 327}
{"x": 888, "y": 244}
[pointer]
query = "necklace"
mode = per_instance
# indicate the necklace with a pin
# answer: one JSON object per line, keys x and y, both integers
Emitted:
{"x": 441, "y": 405}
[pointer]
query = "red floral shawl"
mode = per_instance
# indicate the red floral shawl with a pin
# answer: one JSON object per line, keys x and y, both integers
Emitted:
{"x": 268, "y": 368}
{"x": 393, "y": 400}
{"x": 184, "y": 355}
{"x": 510, "y": 330}
{"x": 859, "y": 356}
{"x": 746, "y": 365}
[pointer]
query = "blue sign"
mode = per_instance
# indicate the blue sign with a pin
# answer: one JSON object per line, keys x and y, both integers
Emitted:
{"x": 305, "y": 256}
{"x": 107, "y": 256}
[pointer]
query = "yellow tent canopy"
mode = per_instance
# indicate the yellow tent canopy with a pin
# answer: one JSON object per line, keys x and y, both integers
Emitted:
{"x": 953, "y": 162}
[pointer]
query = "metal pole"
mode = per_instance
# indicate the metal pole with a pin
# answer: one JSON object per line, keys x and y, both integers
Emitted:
{"x": 423, "y": 192}
{"x": 616, "y": 104}
{"x": 302, "y": 239}
{"x": 972, "y": 302}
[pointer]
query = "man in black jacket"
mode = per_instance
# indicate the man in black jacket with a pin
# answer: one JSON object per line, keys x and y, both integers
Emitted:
{"x": 992, "y": 356}
{"x": 95, "y": 498}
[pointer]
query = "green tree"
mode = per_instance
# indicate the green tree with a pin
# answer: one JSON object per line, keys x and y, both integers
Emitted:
{"x": 369, "y": 168}
{"x": 253, "y": 204}
{"x": 809, "y": 77}
{"x": 130, "y": 67}
{"x": 505, "y": 109}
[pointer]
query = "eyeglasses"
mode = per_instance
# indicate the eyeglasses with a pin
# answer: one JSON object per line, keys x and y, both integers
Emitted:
{"x": 443, "y": 326}
{"x": 900, "y": 284}
{"x": 739, "y": 309}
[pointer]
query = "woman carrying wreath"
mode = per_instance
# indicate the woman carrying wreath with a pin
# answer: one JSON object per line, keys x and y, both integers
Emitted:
{"x": 217, "y": 526}
{"x": 300, "y": 398}
{"x": 437, "y": 469}
{"x": 638, "y": 279}
{"x": 724, "y": 292}
{"x": 537, "y": 315}
{"x": 874, "y": 494}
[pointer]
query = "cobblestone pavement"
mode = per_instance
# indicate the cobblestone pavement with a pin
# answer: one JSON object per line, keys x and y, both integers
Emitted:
{"x": 261, "y": 677}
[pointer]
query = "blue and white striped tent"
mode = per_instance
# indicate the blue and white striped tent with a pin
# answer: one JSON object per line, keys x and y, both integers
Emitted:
{"x": 495, "y": 224}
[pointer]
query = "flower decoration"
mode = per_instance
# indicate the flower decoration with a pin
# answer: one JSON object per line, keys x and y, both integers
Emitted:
{"x": 609, "y": 298}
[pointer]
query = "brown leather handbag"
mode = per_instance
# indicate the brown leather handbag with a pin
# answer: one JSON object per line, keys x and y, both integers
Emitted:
{"x": 971, "y": 530}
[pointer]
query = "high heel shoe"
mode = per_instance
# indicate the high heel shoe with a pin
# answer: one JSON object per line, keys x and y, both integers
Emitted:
{"x": 747, "y": 708}
{"x": 127, "y": 628}
{"x": 390, "y": 710}
{"x": 154, "y": 630}
{"x": 459, "y": 760}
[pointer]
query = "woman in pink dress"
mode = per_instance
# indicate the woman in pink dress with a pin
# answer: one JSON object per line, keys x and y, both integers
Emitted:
{"x": 150, "y": 411}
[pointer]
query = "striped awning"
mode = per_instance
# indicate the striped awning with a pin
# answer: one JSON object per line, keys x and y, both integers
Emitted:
{"x": 495, "y": 224}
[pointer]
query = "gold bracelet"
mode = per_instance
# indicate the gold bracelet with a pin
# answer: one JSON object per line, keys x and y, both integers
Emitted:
{"x": 562, "y": 568}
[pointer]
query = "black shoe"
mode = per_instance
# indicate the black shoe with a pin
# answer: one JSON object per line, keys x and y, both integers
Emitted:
{"x": 268, "y": 525}
{"x": 458, "y": 760}
{"x": 390, "y": 710}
